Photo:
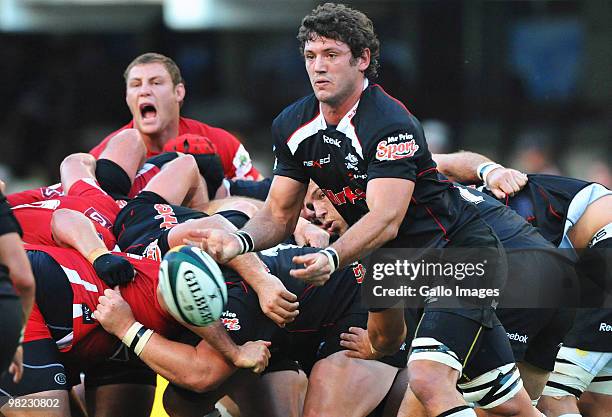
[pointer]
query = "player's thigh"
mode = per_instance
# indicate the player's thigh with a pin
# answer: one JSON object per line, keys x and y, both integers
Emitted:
{"x": 279, "y": 394}
{"x": 343, "y": 386}
{"x": 135, "y": 400}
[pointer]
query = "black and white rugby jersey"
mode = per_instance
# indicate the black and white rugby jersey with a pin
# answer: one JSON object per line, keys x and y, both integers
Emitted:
{"x": 377, "y": 138}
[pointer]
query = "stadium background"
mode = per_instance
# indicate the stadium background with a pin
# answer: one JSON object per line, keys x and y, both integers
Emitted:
{"x": 525, "y": 82}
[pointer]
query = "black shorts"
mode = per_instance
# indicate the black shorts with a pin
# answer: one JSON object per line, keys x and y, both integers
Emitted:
{"x": 477, "y": 234}
{"x": 309, "y": 347}
{"x": 590, "y": 330}
{"x": 44, "y": 370}
{"x": 535, "y": 335}
{"x": 478, "y": 348}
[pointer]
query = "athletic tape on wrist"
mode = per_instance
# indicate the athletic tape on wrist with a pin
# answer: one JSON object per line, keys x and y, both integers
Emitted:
{"x": 130, "y": 335}
{"x": 487, "y": 170}
{"x": 332, "y": 257}
{"x": 96, "y": 253}
{"x": 144, "y": 339}
{"x": 21, "y": 335}
{"x": 246, "y": 241}
{"x": 481, "y": 167}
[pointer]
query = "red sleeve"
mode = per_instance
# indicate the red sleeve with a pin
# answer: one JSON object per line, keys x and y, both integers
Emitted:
{"x": 37, "y": 194}
{"x": 99, "y": 148}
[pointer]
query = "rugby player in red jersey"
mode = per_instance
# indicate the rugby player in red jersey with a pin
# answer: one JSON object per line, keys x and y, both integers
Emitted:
{"x": 155, "y": 92}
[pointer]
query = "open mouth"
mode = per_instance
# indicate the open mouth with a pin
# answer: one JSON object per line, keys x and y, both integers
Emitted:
{"x": 148, "y": 111}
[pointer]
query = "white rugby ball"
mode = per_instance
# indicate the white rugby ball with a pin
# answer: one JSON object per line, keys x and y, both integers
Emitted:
{"x": 192, "y": 286}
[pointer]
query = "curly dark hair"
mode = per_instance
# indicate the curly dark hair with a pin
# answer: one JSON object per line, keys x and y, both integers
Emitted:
{"x": 341, "y": 23}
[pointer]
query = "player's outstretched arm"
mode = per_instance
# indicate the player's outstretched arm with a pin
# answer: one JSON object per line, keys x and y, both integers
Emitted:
{"x": 387, "y": 200}
{"x": 198, "y": 368}
{"x": 270, "y": 225}
{"x": 275, "y": 301}
{"x": 473, "y": 168}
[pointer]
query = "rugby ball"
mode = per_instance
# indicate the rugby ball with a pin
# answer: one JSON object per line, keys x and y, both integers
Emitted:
{"x": 192, "y": 286}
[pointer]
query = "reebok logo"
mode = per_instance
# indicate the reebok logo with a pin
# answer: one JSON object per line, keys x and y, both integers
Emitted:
{"x": 521, "y": 338}
{"x": 604, "y": 327}
{"x": 331, "y": 141}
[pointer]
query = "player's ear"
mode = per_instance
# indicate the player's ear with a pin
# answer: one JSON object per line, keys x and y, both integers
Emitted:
{"x": 180, "y": 92}
{"x": 364, "y": 59}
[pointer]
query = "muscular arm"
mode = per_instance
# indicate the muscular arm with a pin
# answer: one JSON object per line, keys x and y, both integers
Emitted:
{"x": 198, "y": 368}
{"x": 277, "y": 219}
{"x": 460, "y": 166}
{"x": 276, "y": 302}
{"x": 463, "y": 166}
{"x": 388, "y": 200}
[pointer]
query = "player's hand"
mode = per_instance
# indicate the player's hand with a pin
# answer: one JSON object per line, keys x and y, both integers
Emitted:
{"x": 276, "y": 302}
{"x": 505, "y": 181}
{"x": 219, "y": 244}
{"x": 114, "y": 313}
{"x": 308, "y": 234}
{"x": 358, "y": 344}
{"x": 317, "y": 269}
{"x": 190, "y": 143}
{"x": 16, "y": 367}
{"x": 253, "y": 355}
{"x": 113, "y": 269}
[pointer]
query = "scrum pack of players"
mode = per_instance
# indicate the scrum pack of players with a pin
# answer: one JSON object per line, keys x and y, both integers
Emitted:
{"x": 295, "y": 338}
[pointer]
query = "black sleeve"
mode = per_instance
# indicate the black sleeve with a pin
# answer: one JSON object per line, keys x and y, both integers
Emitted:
{"x": 397, "y": 154}
{"x": 285, "y": 164}
{"x": 253, "y": 189}
{"x": 8, "y": 222}
{"x": 235, "y": 217}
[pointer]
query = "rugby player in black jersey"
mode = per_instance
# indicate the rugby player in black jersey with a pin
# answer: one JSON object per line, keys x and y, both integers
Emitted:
{"x": 571, "y": 214}
{"x": 369, "y": 156}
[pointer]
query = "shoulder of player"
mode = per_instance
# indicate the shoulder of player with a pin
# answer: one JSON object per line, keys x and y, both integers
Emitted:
{"x": 296, "y": 114}
{"x": 384, "y": 113}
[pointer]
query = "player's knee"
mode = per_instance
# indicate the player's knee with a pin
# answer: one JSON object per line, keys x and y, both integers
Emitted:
{"x": 128, "y": 140}
{"x": 79, "y": 159}
{"x": 420, "y": 375}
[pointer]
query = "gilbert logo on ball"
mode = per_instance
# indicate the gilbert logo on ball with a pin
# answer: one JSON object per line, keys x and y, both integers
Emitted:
{"x": 192, "y": 286}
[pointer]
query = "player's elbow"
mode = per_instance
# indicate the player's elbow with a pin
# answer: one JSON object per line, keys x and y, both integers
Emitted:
{"x": 201, "y": 382}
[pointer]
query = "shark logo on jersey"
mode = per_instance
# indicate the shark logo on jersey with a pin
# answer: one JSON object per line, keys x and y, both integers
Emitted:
{"x": 351, "y": 162}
